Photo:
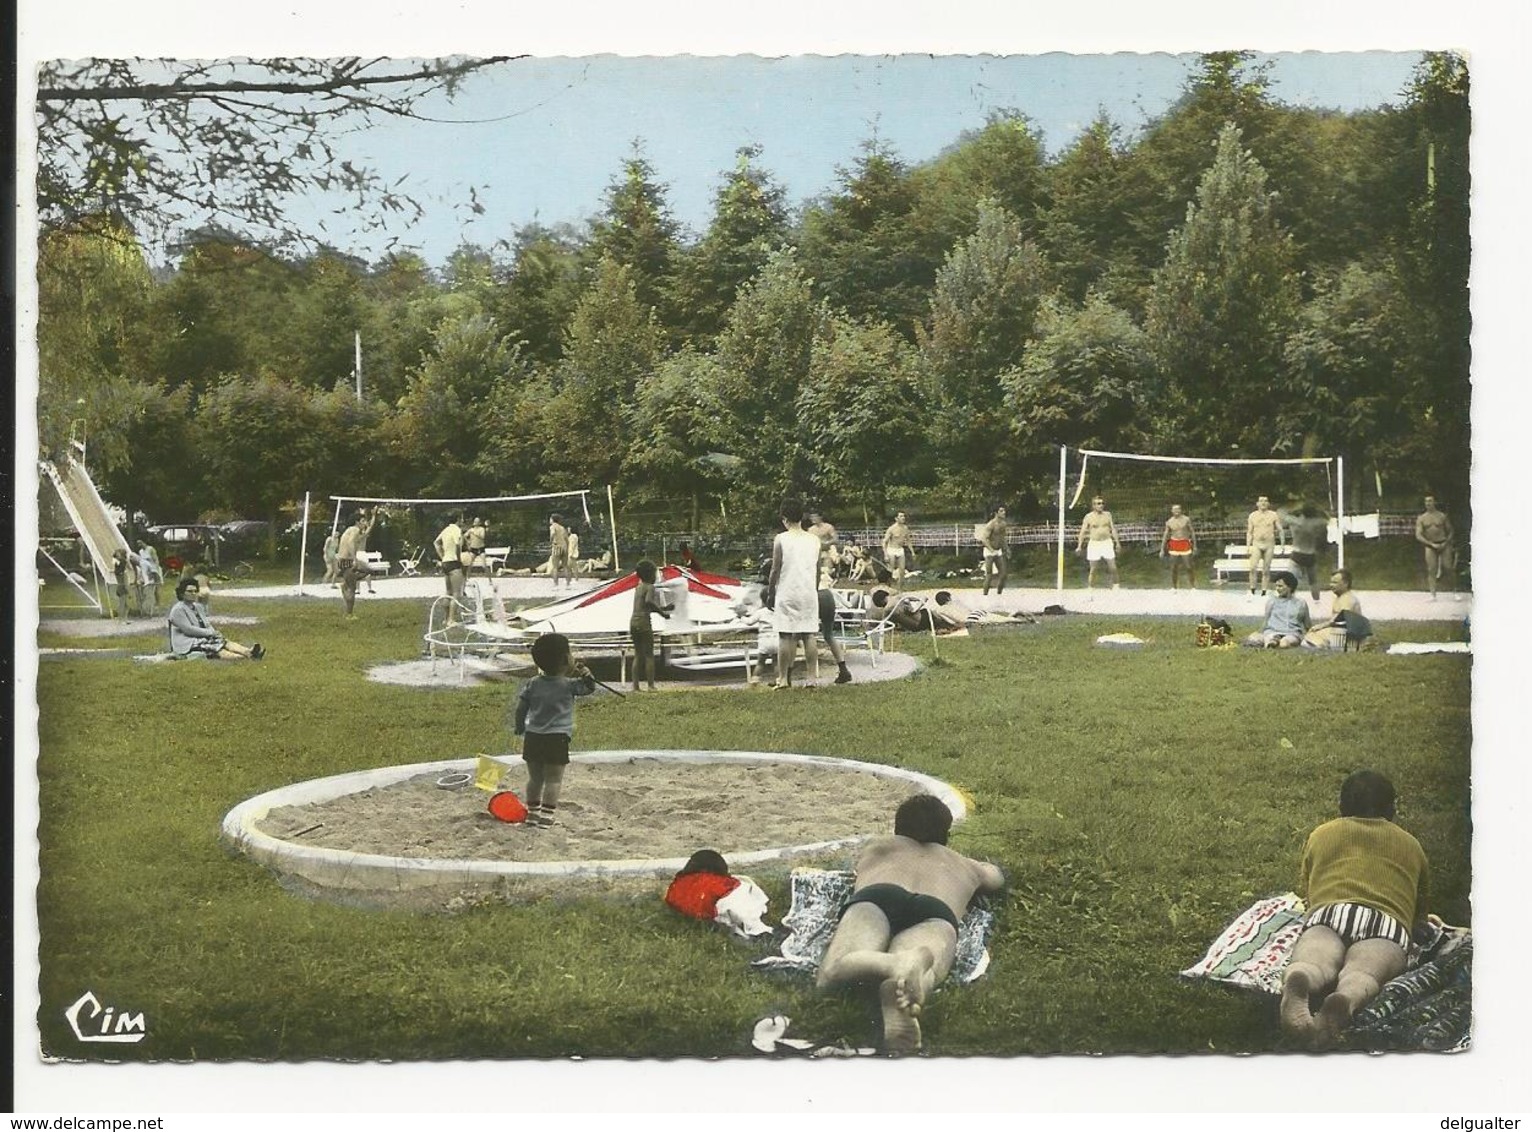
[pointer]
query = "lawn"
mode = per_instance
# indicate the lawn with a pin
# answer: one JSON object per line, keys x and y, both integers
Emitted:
{"x": 1137, "y": 800}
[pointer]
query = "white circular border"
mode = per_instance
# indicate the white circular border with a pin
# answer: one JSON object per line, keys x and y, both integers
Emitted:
{"x": 344, "y": 869}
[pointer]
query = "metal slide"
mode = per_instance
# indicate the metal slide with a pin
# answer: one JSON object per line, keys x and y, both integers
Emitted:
{"x": 88, "y": 512}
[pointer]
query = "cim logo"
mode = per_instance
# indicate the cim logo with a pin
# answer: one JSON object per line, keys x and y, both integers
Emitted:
{"x": 92, "y": 1022}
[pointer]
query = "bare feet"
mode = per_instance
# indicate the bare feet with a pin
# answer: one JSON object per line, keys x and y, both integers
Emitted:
{"x": 902, "y": 998}
{"x": 1334, "y": 1016}
{"x": 1297, "y": 1020}
{"x": 901, "y": 1026}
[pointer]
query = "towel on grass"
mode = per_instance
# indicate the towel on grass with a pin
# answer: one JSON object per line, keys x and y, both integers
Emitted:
{"x": 1428, "y": 1007}
{"x": 818, "y": 895}
{"x": 1413, "y": 648}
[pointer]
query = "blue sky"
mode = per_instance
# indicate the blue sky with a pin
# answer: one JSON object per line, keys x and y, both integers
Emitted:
{"x": 542, "y": 138}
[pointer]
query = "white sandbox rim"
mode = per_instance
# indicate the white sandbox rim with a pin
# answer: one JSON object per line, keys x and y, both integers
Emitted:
{"x": 374, "y": 872}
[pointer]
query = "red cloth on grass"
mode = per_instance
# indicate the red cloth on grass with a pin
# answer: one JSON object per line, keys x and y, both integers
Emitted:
{"x": 697, "y": 894}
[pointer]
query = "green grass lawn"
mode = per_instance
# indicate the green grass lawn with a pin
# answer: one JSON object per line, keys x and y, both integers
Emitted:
{"x": 1137, "y": 799}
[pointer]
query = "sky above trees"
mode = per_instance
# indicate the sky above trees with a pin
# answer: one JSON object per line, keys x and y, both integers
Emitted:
{"x": 540, "y": 139}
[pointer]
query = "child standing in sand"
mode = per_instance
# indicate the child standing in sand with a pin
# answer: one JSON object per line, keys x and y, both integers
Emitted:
{"x": 545, "y": 719}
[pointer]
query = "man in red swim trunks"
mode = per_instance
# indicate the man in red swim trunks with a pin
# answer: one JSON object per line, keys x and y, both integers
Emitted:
{"x": 900, "y": 928}
{"x": 1179, "y": 543}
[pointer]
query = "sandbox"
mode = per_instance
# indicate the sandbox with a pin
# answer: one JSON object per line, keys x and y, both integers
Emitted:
{"x": 624, "y": 814}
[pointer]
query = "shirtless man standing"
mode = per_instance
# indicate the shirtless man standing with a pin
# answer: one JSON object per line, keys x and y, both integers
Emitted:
{"x": 1179, "y": 543}
{"x": 1262, "y": 530}
{"x": 350, "y": 571}
{"x": 1433, "y": 530}
{"x": 992, "y": 534}
{"x": 896, "y": 545}
{"x": 900, "y": 928}
{"x": 1098, "y": 541}
{"x": 558, "y": 555}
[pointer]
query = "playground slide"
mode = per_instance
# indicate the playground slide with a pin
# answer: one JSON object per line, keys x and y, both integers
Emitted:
{"x": 88, "y": 512}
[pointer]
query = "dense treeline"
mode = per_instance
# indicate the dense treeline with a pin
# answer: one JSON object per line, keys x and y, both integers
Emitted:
{"x": 1242, "y": 277}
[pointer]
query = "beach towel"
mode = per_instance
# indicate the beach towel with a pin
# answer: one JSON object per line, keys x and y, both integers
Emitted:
{"x": 1429, "y": 1007}
{"x": 1413, "y": 648}
{"x": 818, "y": 895}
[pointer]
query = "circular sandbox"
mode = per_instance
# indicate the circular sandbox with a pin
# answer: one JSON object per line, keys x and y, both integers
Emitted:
{"x": 830, "y": 804}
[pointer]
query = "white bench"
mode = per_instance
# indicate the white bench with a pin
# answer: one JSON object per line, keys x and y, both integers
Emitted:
{"x": 374, "y": 562}
{"x": 1234, "y": 566}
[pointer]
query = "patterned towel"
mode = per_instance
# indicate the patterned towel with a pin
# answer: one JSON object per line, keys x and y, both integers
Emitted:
{"x": 1429, "y": 1007}
{"x": 818, "y": 895}
{"x": 1252, "y": 950}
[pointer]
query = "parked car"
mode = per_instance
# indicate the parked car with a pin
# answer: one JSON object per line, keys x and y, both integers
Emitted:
{"x": 184, "y": 543}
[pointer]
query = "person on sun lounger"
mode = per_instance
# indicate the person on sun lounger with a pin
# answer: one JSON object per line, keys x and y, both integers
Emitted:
{"x": 899, "y": 930}
{"x": 1365, "y": 882}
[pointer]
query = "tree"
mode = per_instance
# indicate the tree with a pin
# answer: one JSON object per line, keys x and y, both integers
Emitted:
{"x": 439, "y": 430}
{"x": 1085, "y": 382}
{"x": 1084, "y": 226}
{"x": 538, "y": 295}
{"x": 749, "y": 223}
{"x": 859, "y": 247}
{"x": 612, "y": 347}
{"x": 162, "y": 144}
{"x": 765, "y": 356}
{"x": 983, "y": 307}
{"x": 1003, "y": 162}
{"x": 259, "y": 445}
{"x": 93, "y": 293}
{"x": 1222, "y": 305}
{"x": 636, "y": 231}
{"x": 675, "y": 434}
{"x": 861, "y": 411}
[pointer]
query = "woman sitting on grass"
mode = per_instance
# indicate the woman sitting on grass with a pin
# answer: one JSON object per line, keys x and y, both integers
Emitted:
{"x": 1364, "y": 880}
{"x": 1287, "y": 617}
{"x": 191, "y": 635}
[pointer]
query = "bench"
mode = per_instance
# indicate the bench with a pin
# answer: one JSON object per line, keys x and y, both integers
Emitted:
{"x": 374, "y": 562}
{"x": 1234, "y": 566}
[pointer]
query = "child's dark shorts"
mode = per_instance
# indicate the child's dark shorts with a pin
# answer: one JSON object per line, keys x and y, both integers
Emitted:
{"x": 550, "y": 749}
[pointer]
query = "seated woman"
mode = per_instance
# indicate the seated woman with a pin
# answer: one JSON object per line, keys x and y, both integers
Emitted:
{"x": 1365, "y": 882}
{"x": 191, "y": 635}
{"x": 1287, "y": 617}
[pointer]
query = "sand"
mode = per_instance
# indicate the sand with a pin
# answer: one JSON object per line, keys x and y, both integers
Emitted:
{"x": 642, "y": 808}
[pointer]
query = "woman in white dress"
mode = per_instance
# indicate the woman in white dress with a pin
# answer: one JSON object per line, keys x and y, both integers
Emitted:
{"x": 795, "y": 582}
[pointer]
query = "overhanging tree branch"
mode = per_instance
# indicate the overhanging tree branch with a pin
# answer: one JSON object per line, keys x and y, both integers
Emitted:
{"x": 167, "y": 144}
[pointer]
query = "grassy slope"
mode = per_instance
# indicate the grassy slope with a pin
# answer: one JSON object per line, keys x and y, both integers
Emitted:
{"x": 1137, "y": 800}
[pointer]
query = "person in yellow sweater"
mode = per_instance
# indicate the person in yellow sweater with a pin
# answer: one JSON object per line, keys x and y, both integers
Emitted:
{"x": 1365, "y": 882}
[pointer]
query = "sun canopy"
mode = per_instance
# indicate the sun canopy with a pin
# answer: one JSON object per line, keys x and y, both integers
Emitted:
{"x": 699, "y": 601}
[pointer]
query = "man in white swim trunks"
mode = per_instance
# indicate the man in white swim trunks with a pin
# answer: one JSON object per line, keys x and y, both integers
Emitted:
{"x": 993, "y": 535}
{"x": 1098, "y": 541}
{"x": 1179, "y": 544}
{"x": 897, "y": 548}
{"x": 899, "y": 931}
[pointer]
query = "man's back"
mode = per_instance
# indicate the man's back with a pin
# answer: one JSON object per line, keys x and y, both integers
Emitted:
{"x": 926, "y": 869}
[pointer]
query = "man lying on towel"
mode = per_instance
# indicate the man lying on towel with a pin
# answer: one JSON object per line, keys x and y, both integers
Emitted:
{"x": 899, "y": 930}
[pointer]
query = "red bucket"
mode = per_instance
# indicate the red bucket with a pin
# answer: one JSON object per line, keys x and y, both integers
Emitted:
{"x": 507, "y": 807}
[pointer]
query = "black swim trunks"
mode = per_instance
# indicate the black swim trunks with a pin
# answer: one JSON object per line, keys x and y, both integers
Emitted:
{"x": 904, "y": 909}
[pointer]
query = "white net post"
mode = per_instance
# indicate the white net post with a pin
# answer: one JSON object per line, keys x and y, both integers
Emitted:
{"x": 1063, "y": 486}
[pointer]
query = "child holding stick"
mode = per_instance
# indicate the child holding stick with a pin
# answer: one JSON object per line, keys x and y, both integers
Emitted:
{"x": 544, "y": 716}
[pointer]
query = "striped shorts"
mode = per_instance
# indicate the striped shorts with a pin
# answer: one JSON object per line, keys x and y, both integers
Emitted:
{"x": 1354, "y": 922}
